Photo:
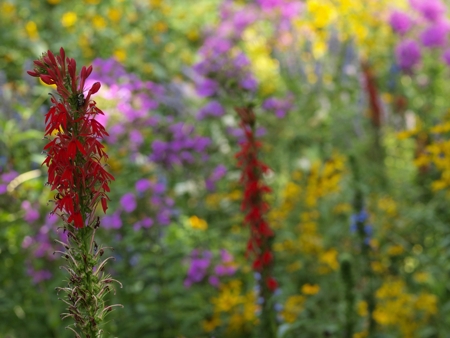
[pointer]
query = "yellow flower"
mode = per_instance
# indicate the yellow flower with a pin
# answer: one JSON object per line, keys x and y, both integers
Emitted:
{"x": 53, "y": 2}
{"x": 292, "y": 308}
{"x": 421, "y": 277}
{"x": 31, "y": 29}
{"x": 362, "y": 334}
{"x": 427, "y": 302}
{"x": 69, "y": 19}
{"x": 99, "y": 22}
{"x": 120, "y": 54}
{"x": 310, "y": 289}
{"x": 250, "y": 307}
{"x": 235, "y": 195}
{"x": 114, "y": 14}
{"x": 294, "y": 266}
{"x": 160, "y": 27}
{"x": 92, "y": 2}
{"x": 439, "y": 185}
{"x": 155, "y": 3}
{"x": 342, "y": 208}
{"x": 329, "y": 257}
{"x": 362, "y": 308}
{"x": 236, "y": 322}
{"x": 210, "y": 325}
{"x": 228, "y": 298}
{"x": 193, "y": 34}
{"x": 322, "y": 13}
{"x": 395, "y": 250}
{"x": 198, "y": 223}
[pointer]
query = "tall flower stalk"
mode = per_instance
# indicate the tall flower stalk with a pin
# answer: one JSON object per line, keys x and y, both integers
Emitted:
{"x": 255, "y": 207}
{"x": 76, "y": 170}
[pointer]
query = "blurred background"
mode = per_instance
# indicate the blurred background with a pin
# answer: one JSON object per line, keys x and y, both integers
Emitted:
{"x": 351, "y": 101}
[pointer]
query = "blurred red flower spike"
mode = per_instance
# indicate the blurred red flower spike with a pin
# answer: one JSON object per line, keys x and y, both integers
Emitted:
{"x": 272, "y": 284}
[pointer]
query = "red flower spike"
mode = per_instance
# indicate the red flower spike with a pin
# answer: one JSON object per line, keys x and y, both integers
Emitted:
{"x": 74, "y": 154}
{"x": 253, "y": 204}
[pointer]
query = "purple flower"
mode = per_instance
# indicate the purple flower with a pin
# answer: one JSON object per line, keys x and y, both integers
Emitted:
{"x": 39, "y": 275}
{"x": 27, "y": 241}
{"x": 207, "y": 87}
{"x": 6, "y": 179}
{"x": 214, "y": 281}
{"x": 400, "y": 22}
{"x": 270, "y": 4}
{"x": 216, "y": 175}
{"x": 163, "y": 217}
{"x": 291, "y": 9}
{"x": 128, "y": 202}
{"x": 408, "y": 54}
{"x": 218, "y": 172}
{"x": 159, "y": 188}
{"x": 136, "y": 137}
{"x": 446, "y": 56}
{"x": 212, "y": 108}
{"x": 226, "y": 256}
{"x": 112, "y": 221}
{"x": 249, "y": 83}
{"x": 225, "y": 270}
{"x": 31, "y": 214}
{"x": 435, "y": 35}
{"x": 242, "y": 19}
{"x": 144, "y": 223}
{"x": 279, "y": 106}
{"x": 147, "y": 222}
{"x": 241, "y": 61}
{"x": 142, "y": 185}
{"x": 198, "y": 268}
{"x": 432, "y": 10}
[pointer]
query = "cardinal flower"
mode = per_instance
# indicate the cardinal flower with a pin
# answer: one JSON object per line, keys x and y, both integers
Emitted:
{"x": 74, "y": 152}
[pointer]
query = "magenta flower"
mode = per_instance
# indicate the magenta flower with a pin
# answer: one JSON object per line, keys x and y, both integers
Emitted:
{"x": 142, "y": 185}
{"x": 408, "y": 54}
{"x": 400, "y": 22}
{"x": 214, "y": 281}
{"x": 432, "y": 10}
{"x": 435, "y": 35}
{"x": 128, "y": 202}
{"x": 31, "y": 214}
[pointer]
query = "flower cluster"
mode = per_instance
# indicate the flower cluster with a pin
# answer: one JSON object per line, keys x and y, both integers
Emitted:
{"x": 75, "y": 155}
{"x": 239, "y": 306}
{"x": 426, "y": 21}
{"x": 179, "y": 147}
{"x": 280, "y": 107}
{"x": 201, "y": 264}
{"x": 397, "y": 308}
{"x": 222, "y": 67}
{"x": 5, "y": 179}
{"x": 147, "y": 207}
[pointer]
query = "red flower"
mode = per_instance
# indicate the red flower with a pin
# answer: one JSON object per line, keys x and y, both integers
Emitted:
{"x": 259, "y": 244}
{"x": 74, "y": 154}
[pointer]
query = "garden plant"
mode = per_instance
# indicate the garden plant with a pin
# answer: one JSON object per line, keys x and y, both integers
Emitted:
{"x": 225, "y": 168}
